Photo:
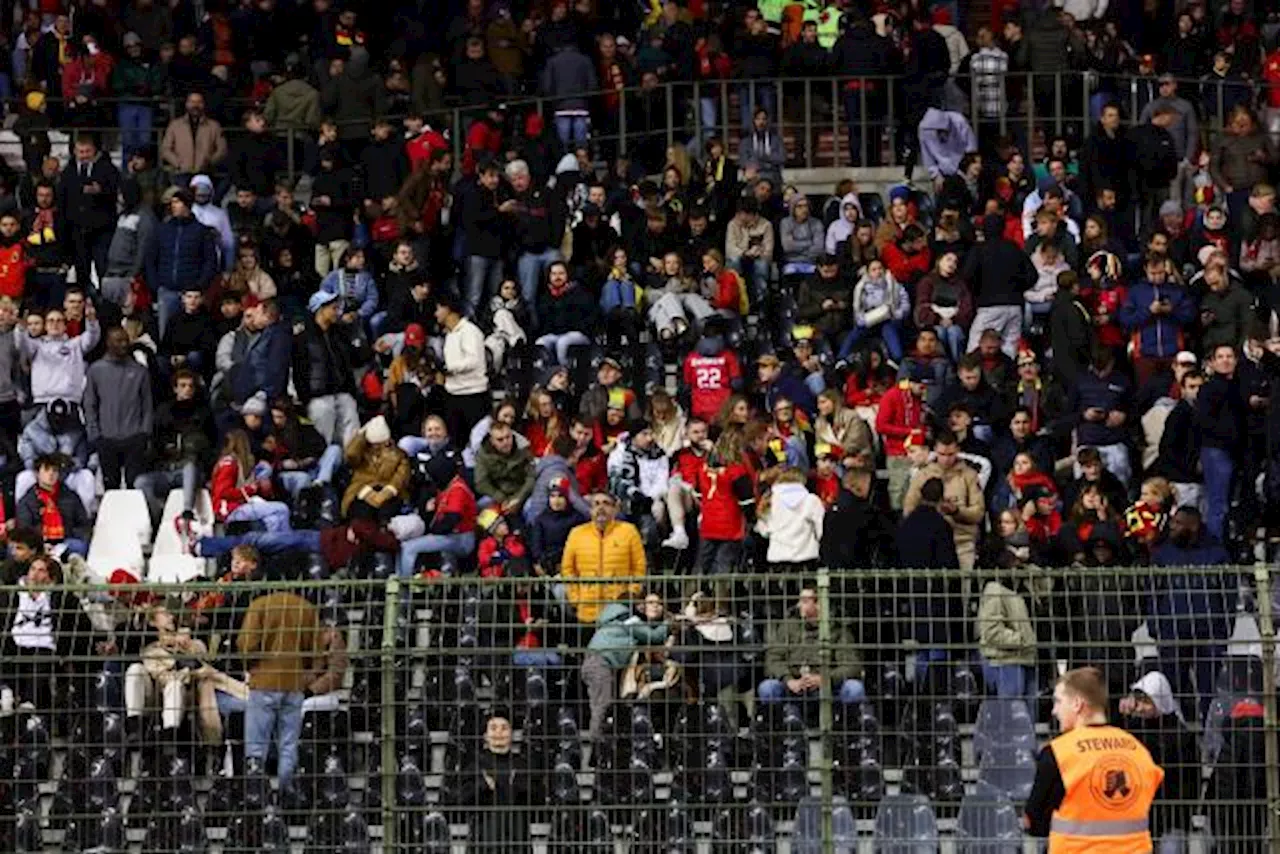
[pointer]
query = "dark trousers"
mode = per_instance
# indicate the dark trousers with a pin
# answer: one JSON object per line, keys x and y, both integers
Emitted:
{"x": 91, "y": 251}
{"x": 45, "y": 289}
{"x": 464, "y": 411}
{"x": 116, "y": 454}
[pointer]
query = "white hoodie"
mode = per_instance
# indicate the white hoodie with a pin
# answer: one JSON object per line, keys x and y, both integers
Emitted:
{"x": 793, "y": 524}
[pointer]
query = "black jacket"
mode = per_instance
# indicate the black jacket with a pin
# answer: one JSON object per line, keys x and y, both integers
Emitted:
{"x": 482, "y": 225}
{"x": 85, "y": 210}
{"x": 931, "y": 608}
{"x": 573, "y": 311}
{"x": 1155, "y": 160}
{"x": 321, "y": 362}
{"x": 256, "y": 159}
{"x": 1220, "y": 414}
{"x": 384, "y": 167}
{"x": 998, "y": 272}
{"x": 333, "y": 221}
{"x": 1179, "y": 446}
{"x": 75, "y": 519}
{"x": 184, "y": 431}
{"x": 1071, "y": 334}
{"x": 1105, "y": 162}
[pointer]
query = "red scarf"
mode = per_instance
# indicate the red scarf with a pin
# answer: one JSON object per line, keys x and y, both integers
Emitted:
{"x": 50, "y": 516}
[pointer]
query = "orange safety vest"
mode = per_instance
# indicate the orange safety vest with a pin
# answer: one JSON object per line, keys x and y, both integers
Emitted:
{"x": 1110, "y": 782}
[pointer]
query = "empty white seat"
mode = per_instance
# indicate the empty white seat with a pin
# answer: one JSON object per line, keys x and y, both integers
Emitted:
{"x": 175, "y": 569}
{"x": 124, "y": 510}
{"x": 167, "y": 540}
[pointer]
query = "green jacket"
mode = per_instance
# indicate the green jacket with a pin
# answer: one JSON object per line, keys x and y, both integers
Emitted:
{"x": 295, "y": 105}
{"x": 504, "y": 477}
{"x": 620, "y": 632}
{"x": 133, "y": 78}
{"x": 793, "y": 645}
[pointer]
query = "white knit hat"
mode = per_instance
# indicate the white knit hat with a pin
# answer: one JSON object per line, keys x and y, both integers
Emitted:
{"x": 377, "y": 431}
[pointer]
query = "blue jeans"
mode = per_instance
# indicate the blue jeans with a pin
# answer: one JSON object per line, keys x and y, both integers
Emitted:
{"x": 135, "y": 122}
{"x": 320, "y": 474}
{"x": 890, "y": 332}
{"x": 572, "y": 130}
{"x": 542, "y": 658}
{"x": 756, "y": 95}
{"x": 708, "y": 110}
{"x": 755, "y": 272}
{"x": 273, "y": 514}
{"x": 267, "y": 542}
{"x": 1218, "y": 470}
{"x": 1032, "y": 310}
{"x": 169, "y": 304}
{"x": 451, "y": 546}
{"x": 1012, "y": 681}
{"x": 772, "y": 690}
{"x": 275, "y": 714}
{"x": 155, "y": 486}
{"x": 531, "y": 269}
{"x": 953, "y": 338}
{"x": 484, "y": 275}
{"x": 558, "y": 345}
{"x": 76, "y": 547}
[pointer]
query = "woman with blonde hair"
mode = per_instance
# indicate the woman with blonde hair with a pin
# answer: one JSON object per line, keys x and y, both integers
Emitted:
{"x": 543, "y": 421}
{"x": 734, "y": 414}
{"x": 248, "y": 277}
{"x": 240, "y": 489}
{"x": 667, "y": 421}
{"x": 840, "y": 426}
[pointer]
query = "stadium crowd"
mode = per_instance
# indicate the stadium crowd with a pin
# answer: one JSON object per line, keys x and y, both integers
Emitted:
{"x": 593, "y": 373}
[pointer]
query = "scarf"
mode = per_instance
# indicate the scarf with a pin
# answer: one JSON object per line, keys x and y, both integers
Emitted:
{"x": 558, "y": 290}
{"x": 51, "y": 523}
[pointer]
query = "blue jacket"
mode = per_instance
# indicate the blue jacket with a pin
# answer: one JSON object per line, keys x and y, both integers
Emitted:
{"x": 1159, "y": 336}
{"x": 360, "y": 291}
{"x": 1106, "y": 393}
{"x": 266, "y": 364}
{"x": 184, "y": 250}
{"x": 791, "y": 386}
{"x": 1192, "y": 606}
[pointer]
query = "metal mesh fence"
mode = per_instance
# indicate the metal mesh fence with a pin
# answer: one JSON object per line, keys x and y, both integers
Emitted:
{"x": 841, "y": 710}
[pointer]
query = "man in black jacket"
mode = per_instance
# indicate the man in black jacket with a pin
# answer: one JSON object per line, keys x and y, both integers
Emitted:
{"x": 531, "y": 231}
{"x": 1070, "y": 330}
{"x": 1220, "y": 420}
{"x": 859, "y": 58}
{"x": 482, "y": 231}
{"x": 256, "y": 157}
{"x": 999, "y": 273}
{"x": 384, "y": 164}
{"x": 86, "y": 202}
{"x": 1179, "y": 459}
{"x": 322, "y": 376}
{"x": 1155, "y": 162}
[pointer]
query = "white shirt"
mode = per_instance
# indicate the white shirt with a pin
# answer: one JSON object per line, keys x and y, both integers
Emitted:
{"x": 33, "y": 621}
{"x": 464, "y": 360}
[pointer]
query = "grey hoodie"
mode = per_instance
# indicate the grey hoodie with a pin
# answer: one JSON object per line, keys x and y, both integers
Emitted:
{"x": 117, "y": 399}
{"x": 549, "y": 468}
{"x": 134, "y": 232}
{"x": 8, "y": 367}
{"x": 57, "y": 364}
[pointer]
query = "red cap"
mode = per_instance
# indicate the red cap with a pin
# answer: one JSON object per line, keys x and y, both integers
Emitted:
{"x": 414, "y": 335}
{"x": 123, "y": 577}
{"x": 560, "y": 485}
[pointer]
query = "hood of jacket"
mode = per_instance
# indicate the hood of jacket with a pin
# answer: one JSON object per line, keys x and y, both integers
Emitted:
{"x": 789, "y": 495}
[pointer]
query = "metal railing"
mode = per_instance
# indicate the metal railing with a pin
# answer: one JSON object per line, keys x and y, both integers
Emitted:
{"x": 123, "y": 718}
{"x": 827, "y": 121}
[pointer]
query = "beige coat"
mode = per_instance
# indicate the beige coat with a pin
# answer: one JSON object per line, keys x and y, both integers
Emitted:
{"x": 960, "y": 485}
{"x": 1005, "y": 633}
{"x": 183, "y": 154}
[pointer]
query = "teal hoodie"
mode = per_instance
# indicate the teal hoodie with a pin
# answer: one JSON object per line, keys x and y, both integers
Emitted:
{"x": 620, "y": 632}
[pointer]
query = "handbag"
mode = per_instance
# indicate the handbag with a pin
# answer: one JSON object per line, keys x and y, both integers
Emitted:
{"x": 946, "y": 312}
{"x": 876, "y": 316}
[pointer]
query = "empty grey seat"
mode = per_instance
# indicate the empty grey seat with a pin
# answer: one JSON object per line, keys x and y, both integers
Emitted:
{"x": 1003, "y": 721}
{"x": 988, "y": 823}
{"x": 1009, "y": 768}
{"x": 905, "y": 824}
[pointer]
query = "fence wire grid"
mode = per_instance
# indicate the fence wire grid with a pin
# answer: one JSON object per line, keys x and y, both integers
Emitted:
{"x": 849, "y": 710}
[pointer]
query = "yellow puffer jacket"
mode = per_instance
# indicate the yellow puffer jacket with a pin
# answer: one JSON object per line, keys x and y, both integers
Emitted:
{"x": 611, "y": 564}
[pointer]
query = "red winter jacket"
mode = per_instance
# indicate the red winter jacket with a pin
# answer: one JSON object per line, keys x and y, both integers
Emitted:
{"x": 13, "y": 269}
{"x": 482, "y": 139}
{"x": 907, "y": 269}
{"x": 494, "y": 555}
{"x": 900, "y": 412}
{"x": 227, "y": 489}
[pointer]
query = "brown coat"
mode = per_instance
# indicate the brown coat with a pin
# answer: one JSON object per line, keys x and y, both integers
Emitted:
{"x": 370, "y": 466}
{"x": 280, "y": 640}
{"x": 188, "y": 156}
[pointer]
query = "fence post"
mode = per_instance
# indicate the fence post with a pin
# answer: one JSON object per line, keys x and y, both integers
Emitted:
{"x": 288, "y": 141}
{"x": 1271, "y": 750}
{"x": 457, "y": 139}
{"x": 622, "y": 126}
{"x": 671, "y": 112}
{"x": 825, "y": 715}
{"x": 808, "y": 123}
{"x": 697, "y": 117}
{"x": 387, "y": 673}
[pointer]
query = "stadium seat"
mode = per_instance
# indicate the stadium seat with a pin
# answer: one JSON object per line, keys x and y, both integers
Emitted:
{"x": 113, "y": 547}
{"x": 905, "y": 824}
{"x": 167, "y": 540}
{"x": 806, "y": 834}
{"x": 123, "y": 510}
{"x": 1009, "y": 768}
{"x": 175, "y": 569}
{"x": 1003, "y": 722}
{"x": 988, "y": 823}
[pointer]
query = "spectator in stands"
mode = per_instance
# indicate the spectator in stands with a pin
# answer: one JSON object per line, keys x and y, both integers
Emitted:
{"x": 193, "y": 143}
{"x": 749, "y": 247}
{"x": 54, "y": 510}
{"x": 1220, "y": 421}
{"x": 86, "y": 202}
{"x": 322, "y": 370}
{"x": 944, "y": 303}
{"x": 618, "y": 634}
{"x": 796, "y": 665}
{"x": 482, "y": 229}
{"x": 466, "y": 376}
{"x": 1157, "y": 312}
{"x": 607, "y": 555}
{"x": 42, "y": 626}
{"x": 240, "y": 489}
{"x": 379, "y": 472}
{"x": 762, "y": 149}
{"x": 802, "y": 239}
{"x": 281, "y": 638}
{"x": 880, "y": 305}
{"x": 184, "y": 252}
{"x": 999, "y": 274}
{"x": 117, "y": 411}
{"x": 962, "y": 504}
{"x": 181, "y": 447}
{"x": 504, "y": 473}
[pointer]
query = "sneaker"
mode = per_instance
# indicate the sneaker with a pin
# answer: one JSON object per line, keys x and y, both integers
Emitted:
{"x": 679, "y": 540}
